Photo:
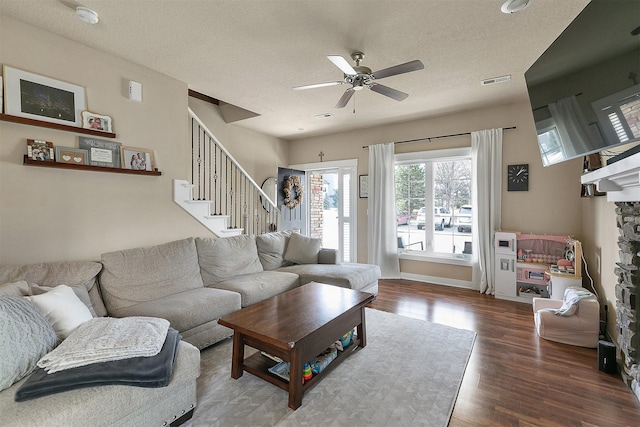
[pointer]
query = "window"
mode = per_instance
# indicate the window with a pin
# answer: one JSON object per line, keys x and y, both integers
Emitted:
{"x": 434, "y": 189}
{"x": 619, "y": 115}
{"x": 549, "y": 142}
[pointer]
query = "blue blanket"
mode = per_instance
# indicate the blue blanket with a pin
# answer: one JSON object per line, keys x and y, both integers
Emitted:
{"x": 154, "y": 371}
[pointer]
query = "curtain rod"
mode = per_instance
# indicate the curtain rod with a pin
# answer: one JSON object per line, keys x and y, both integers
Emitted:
{"x": 546, "y": 106}
{"x": 436, "y": 137}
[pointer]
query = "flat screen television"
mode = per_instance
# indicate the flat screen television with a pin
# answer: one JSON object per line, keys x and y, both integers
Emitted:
{"x": 585, "y": 88}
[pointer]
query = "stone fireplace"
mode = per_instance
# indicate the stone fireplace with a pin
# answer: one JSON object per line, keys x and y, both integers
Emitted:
{"x": 621, "y": 181}
{"x": 628, "y": 292}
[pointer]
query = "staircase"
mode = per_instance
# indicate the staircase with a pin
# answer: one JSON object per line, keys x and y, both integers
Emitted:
{"x": 221, "y": 195}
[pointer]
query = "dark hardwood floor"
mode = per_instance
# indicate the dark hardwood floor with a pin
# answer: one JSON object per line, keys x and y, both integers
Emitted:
{"x": 514, "y": 377}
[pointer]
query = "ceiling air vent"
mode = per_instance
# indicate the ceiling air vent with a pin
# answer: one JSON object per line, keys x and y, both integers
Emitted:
{"x": 495, "y": 80}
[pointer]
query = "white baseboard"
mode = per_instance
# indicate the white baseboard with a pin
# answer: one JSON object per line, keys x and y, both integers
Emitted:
{"x": 438, "y": 280}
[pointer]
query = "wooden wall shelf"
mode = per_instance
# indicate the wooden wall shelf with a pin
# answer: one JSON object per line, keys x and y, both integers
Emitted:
{"x": 33, "y": 122}
{"x": 30, "y": 162}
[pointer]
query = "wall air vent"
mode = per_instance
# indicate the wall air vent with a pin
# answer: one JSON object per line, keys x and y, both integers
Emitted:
{"x": 495, "y": 80}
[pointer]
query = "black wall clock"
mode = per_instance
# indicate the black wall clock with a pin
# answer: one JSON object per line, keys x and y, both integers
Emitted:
{"x": 518, "y": 177}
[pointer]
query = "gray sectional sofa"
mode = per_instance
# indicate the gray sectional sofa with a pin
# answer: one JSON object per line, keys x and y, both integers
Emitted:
{"x": 190, "y": 282}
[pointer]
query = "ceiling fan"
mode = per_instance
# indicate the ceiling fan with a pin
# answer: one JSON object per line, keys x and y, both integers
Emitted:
{"x": 360, "y": 77}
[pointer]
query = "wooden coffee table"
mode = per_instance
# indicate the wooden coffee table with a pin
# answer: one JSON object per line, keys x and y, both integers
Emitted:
{"x": 296, "y": 326}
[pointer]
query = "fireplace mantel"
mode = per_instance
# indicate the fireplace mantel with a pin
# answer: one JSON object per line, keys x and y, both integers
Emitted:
{"x": 620, "y": 180}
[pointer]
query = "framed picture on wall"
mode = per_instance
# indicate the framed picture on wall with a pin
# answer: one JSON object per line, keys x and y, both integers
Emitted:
{"x": 40, "y": 150}
{"x": 97, "y": 122}
{"x": 364, "y": 186}
{"x": 72, "y": 156}
{"x": 101, "y": 152}
{"x": 137, "y": 159}
{"x": 42, "y": 98}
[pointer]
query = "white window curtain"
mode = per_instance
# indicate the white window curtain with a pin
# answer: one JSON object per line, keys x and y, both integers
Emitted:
{"x": 572, "y": 126}
{"x": 486, "y": 149}
{"x": 381, "y": 223}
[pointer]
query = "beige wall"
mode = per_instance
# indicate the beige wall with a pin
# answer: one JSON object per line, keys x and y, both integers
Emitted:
{"x": 55, "y": 214}
{"x": 600, "y": 248}
{"x": 552, "y": 204}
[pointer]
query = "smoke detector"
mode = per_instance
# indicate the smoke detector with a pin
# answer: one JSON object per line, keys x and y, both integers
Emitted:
{"x": 87, "y": 15}
{"x": 513, "y": 6}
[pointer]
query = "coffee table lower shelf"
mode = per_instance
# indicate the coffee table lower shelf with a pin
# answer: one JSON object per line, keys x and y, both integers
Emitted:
{"x": 257, "y": 364}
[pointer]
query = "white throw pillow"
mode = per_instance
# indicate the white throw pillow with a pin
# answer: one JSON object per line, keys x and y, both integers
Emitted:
{"x": 302, "y": 249}
{"x": 63, "y": 309}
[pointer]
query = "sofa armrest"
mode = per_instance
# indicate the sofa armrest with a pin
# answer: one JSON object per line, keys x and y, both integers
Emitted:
{"x": 328, "y": 256}
{"x": 540, "y": 303}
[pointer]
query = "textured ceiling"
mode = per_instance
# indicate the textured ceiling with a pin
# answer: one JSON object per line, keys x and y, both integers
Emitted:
{"x": 251, "y": 53}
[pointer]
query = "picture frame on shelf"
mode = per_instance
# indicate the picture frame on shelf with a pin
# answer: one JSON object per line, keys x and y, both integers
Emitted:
{"x": 37, "y": 97}
{"x": 364, "y": 186}
{"x": 72, "y": 156}
{"x": 40, "y": 150}
{"x": 101, "y": 152}
{"x": 137, "y": 158}
{"x": 97, "y": 122}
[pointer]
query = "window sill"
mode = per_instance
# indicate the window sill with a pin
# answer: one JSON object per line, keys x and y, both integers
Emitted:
{"x": 457, "y": 259}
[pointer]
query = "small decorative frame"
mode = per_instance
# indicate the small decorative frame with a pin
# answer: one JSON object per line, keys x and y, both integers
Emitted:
{"x": 364, "y": 186}
{"x": 42, "y": 98}
{"x": 72, "y": 156}
{"x": 97, "y": 122}
{"x": 101, "y": 152}
{"x": 40, "y": 150}
{"x": 137, "y": 159}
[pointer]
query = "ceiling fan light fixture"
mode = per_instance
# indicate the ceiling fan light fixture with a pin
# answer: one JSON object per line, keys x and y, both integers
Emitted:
{"x": 513, "y": 6}
{"x": 87, "y": 15}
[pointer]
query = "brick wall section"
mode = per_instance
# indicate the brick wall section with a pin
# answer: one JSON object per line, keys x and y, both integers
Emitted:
{"x": 627, "y": 289}
{"x": 316, "y": 207}
{"x": 631, "y": 112}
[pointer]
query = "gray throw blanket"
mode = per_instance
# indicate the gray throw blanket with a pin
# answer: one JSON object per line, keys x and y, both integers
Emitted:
{"x": 105, "y": 339}
{"x": 154, "y": 371}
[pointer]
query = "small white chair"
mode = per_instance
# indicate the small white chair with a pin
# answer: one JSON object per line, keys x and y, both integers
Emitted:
{"x": 581, "y": 328}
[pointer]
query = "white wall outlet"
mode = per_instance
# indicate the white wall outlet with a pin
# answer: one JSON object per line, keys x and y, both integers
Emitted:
{"x": 135, "y": 91}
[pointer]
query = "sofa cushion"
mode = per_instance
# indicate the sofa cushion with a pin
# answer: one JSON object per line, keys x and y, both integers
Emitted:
{"x": 271, "y": 249}
{"x": 302, "y": 249}
{"x": 70, "y": 273}
{"x": 63, "y": 309}
{"x": 259, "y": 286}
{"x": 15, "y": 289}
{"x": 188, "y": 309}
{"x": 26, "y": 336}
{"x": 349, "y": 275}
{"x": 139, "y": 275}
{"x": 223, "y": 258}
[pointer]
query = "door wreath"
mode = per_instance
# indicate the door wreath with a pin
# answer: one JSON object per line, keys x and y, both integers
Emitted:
{"x": 291, "y": 184}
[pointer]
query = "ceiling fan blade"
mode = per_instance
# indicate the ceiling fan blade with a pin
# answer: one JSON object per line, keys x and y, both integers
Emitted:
{"x": 387, "y": 91}
{"x": 342, "y": 63}
{"x": 346, "y": 96}
{"x": 318, "y": 85}
{"x": 407, "y": 67}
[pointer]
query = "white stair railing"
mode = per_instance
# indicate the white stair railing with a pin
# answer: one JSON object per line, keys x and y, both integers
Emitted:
{"x": 221, "y": 194}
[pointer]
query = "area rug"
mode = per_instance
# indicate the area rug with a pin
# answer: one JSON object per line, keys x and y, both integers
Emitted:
{"x": 409, "y": 374}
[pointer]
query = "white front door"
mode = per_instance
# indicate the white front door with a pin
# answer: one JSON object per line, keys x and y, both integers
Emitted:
{"x": 331, "y": 210}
